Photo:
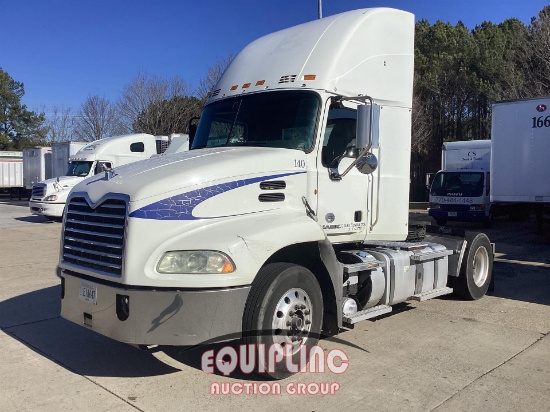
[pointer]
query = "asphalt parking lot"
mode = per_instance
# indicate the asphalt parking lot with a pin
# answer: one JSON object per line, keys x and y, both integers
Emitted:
{"x": 444, "y": 354}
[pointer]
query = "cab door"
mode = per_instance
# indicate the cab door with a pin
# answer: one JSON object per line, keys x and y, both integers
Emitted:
{"x": 341, "y": 204}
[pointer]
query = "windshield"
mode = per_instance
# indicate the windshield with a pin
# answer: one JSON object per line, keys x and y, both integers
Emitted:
{"x": 468, "y": 184}
{"x": 79, "y": 168}
{"x": 277, "y": 119}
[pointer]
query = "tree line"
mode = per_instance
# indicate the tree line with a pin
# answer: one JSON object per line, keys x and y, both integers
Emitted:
{"x": 459, "y": 73}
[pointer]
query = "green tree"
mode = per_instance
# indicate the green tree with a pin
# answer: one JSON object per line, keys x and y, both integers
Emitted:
{"x": 19, "y": 127}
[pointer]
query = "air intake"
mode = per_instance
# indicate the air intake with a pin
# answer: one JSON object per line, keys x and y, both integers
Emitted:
{"x": 287, "y": 79}
{"x": 273, "y": 185}
{"x": 271, "y": 197}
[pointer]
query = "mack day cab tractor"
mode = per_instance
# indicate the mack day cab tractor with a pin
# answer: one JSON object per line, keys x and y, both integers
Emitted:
{"x": 49, "y": 196}
{"x": 288, "y": 216}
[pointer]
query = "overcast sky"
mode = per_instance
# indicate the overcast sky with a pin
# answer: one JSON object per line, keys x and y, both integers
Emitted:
{"x": 66, "y": 50}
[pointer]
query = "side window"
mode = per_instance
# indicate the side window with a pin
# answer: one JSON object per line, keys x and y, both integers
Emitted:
{"x": 137, "y": 147}
{"x": 339, "y": 134}
{"x": 99, "y": 167}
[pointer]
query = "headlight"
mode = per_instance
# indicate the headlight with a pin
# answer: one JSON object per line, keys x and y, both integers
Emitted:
{"x": 195, "y": 261}
{"x": 51, "y": 198}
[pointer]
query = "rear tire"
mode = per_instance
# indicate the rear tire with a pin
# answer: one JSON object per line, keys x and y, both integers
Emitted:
{"x": 477, "y": 268}
{"x": 285, "y": 307}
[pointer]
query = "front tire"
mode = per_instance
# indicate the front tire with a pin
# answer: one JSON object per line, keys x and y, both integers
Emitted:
{"x": 284, "y": 307}
{"x": 477, "y": 268}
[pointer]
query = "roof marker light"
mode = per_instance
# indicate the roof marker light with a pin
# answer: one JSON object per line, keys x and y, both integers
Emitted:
{"x": 260, "y": 82}
{"x": 310, "y": 77}
{"x": 246, "y": 85}
{"x": 233, "y": 88}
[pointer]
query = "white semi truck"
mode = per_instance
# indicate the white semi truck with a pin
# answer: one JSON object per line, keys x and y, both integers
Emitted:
{"x": 460, "y": 190}
{"x": 288, "y": 218}
{"x": 49, "y": 196}
{"x": 520, "y": 173}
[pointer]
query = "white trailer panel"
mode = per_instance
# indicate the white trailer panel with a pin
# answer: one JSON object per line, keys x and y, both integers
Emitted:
{"x": 520, "y": 170}
{"x": 60, "y": 156}
{"x": 468, "y": 154}
{"x": 11, "y": 169}
{"x": 36, "y": 165}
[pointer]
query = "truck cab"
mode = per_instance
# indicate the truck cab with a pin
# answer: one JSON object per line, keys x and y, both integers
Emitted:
{"x": 288, "y": 217}
{"x": 461, "y": 190}
{"x": 48, "y": 197}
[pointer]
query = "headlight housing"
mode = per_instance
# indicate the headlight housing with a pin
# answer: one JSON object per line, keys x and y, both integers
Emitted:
{"x": 195, "y": 261}
{"x": 51, "y": 198}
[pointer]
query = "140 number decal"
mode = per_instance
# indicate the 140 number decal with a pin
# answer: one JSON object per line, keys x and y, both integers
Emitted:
{"x": 541, "y": 121}
{"x": 300, "y": 163}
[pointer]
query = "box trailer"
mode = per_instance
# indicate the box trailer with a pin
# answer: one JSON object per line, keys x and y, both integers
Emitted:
{"x": 11, "y": 172}
{"x": 37, "y": 165}
{"x": 520, "y": 136}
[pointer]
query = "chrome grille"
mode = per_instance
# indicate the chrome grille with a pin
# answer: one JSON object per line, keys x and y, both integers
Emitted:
{"x": 94, "y": 237}
{"x": 38, "y": 190}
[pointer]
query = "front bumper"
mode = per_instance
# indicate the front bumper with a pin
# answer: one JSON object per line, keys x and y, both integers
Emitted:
{"x": 47, "y": 208}
{"x": 156, "y": 316}
{"x": 459, "y": 216}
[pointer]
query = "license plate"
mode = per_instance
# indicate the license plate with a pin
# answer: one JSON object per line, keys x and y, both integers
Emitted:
{"x": 88, "y": 293}
{"x": 452, "y": 214}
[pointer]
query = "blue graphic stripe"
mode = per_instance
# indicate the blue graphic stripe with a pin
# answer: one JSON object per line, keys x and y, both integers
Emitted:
{"x": 180, "y": 207}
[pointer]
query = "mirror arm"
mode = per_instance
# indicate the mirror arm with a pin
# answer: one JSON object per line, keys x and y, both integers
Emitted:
{"x": 333, "y": 173}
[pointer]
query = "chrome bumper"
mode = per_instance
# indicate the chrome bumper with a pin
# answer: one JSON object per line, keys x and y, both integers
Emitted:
{"x": 156, "y": 316}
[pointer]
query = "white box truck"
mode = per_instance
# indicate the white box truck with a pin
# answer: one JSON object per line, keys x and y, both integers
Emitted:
{"x": 288, "y": 217}
{"x": 61, "y": 152}
{"x": 520, "y": 172}
{"x": 49, "y": 196}
{"x": 11, "y": 172}
{"x": 460, "y": 190}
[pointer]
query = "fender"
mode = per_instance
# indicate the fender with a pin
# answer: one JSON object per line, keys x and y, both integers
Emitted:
{"x": 249, "y": 240}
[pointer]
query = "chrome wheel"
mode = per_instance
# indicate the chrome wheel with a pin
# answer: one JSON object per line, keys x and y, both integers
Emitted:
{"x": 292, "y": 319}
{"x": 480, "y": 266}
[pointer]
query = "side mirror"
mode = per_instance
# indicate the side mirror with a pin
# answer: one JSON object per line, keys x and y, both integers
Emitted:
{"x": 363, "y": 126}
{"x": 367, "y": 163}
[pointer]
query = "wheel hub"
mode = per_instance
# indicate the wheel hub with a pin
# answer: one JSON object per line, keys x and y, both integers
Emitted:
{"x": 480, "y": 266}
{"x": 292, "y": 319}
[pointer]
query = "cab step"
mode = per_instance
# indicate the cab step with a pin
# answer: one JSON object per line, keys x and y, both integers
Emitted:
{"x": 367, "y": 314}
{"x": 421, "y": 297}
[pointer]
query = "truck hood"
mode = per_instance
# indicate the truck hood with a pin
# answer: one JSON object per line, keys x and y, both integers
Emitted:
{"x": 170, "y": 175}
{"x": 65, "y": 182}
